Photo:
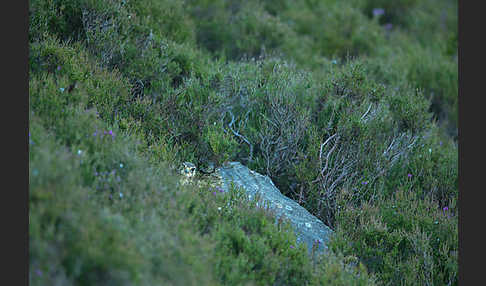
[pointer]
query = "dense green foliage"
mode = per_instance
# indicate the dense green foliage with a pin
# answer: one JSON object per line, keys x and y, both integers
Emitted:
{"x": 351, "y": 110}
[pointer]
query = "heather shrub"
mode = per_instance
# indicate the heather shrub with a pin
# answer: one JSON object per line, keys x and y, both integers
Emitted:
{"x": 255, "y": 249}
{"x": 85, "y": 179}
{"x": 340, "y": 30}
{"x": 81, "y": 20}
{"x": 62, "y": 18}
{"x": 437, "y": 74}
{"x": 166, "y": 18}
{"x": 72, "y": 210}
{"x": 404, "y": 240}
{"x": 363, "y": 130}
{"x": 107, "y": 92}
{"x": 263, "y": 108}
{"x": 109, "y": 182}
{"x": 68, "y": 244}
{"x": 397, "y": 13}
{"x": 434, "y": 74}
{"x": 432, "y": 166}
{"x": 105, "y": 29}
{"x": 295, "y": 29}
{"x": 433, "y": 23}
{"x": 237, "y": 30}
{"x": 223, "y": 145}
{"x": 350, "y": 116}
{"x": 142, "y": 204}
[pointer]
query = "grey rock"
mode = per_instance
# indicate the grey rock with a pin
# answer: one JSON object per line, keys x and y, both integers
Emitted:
{"x": 308, "y": 228}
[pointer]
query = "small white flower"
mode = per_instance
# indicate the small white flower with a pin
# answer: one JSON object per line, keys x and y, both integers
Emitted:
{"x": 121, "y": 165}
{"x": 80, "y": 152}
{"x": 430, "y": 150}
{"x": 121, "y": 195}
{"x": 219, "y": 208}
{"x": 62, "y": 89}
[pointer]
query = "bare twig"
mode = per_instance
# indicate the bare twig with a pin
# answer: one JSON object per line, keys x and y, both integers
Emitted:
{"x": 237, "y": 134}
{"x": 369, "y": 108}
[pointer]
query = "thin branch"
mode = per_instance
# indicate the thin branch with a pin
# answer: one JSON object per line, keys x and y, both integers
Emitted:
{"x": 322, "y": 145}
{"x": 369, "y": 108}
{"x": 230, "y": 125}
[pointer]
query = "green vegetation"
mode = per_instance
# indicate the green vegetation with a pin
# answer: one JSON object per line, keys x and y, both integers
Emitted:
{"x": 351, "y": 110}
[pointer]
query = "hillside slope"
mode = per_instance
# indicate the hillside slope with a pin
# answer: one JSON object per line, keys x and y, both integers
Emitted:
{"x": 350, "y": 107}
